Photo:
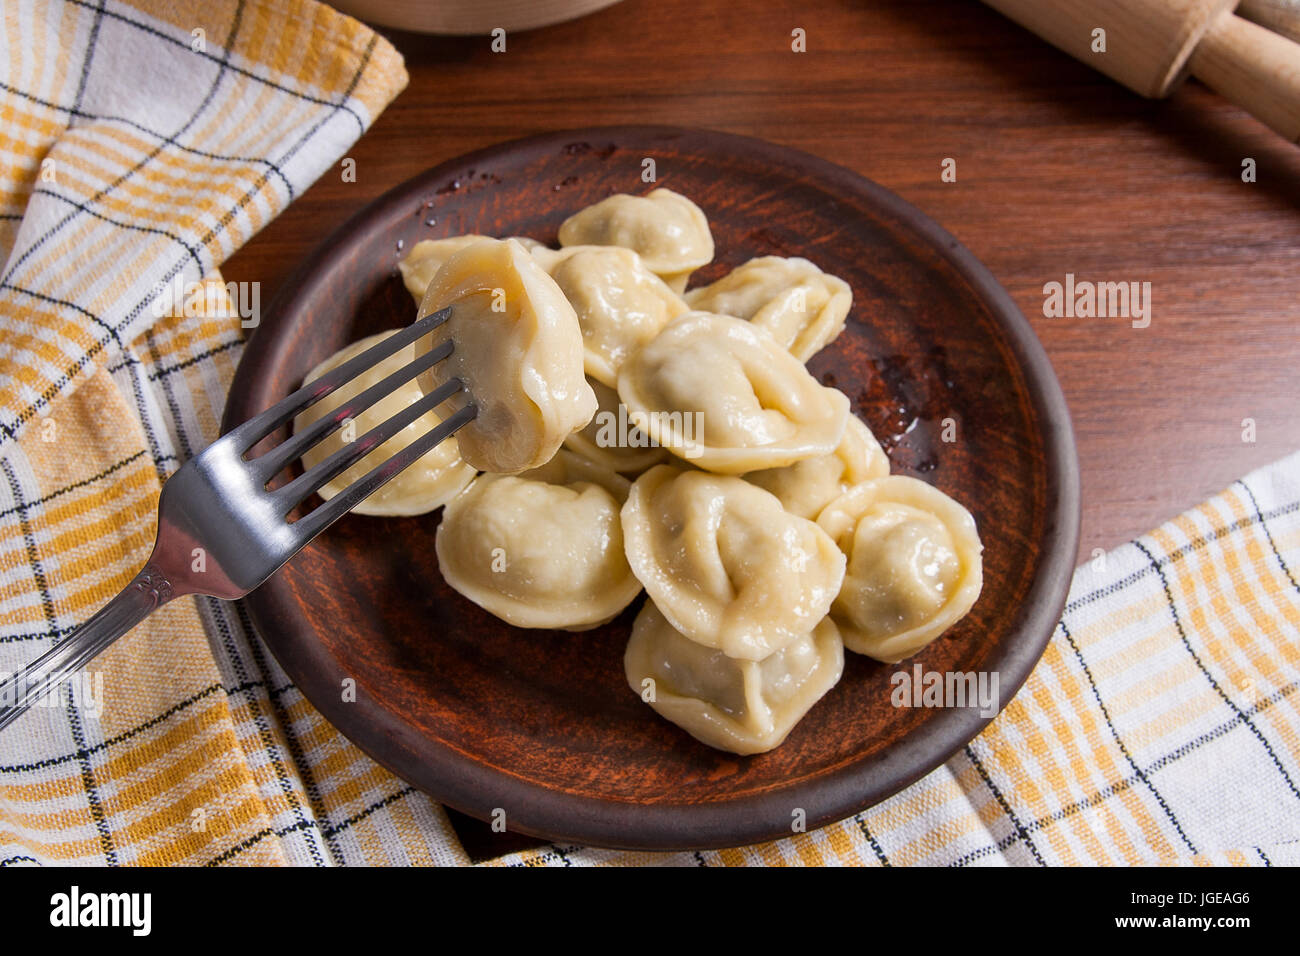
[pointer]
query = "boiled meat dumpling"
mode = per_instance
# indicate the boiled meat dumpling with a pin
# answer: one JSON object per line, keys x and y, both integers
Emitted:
{"x": 803, "y": 307}
{"x": 726, "y": 564}
{"x": 611, "y": 440}
{"x": 428, "y": 483}
{"x": 914, "y": 565}
{"x": 621, "y": 304}
{"x": 754, "y": 403}
{"x": 518, "y": 351}
{"x": 427, "y": 256}
{"x": 741, "y": 706}
{"x": 808, "y": 486}
{"x": 543, "y": 549}
{"x": 668, "y": 231}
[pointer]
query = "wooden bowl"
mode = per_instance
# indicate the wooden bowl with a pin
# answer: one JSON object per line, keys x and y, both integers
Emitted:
{"x": 542, "y": 724}
{"x": 469, "y": 17}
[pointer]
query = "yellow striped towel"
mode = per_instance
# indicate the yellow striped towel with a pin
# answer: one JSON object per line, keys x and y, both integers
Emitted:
{"x": 142, "y": 144}
{"x": 1160, "y": 727}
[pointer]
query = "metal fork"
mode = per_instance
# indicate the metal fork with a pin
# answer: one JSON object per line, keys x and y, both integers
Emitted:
{"x": 222, "y": 532}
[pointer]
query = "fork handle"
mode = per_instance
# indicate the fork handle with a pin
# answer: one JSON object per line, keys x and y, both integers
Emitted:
{"x": 147, "y": 592}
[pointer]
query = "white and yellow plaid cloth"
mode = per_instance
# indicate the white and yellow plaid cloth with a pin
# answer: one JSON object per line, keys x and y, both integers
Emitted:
{"x": 1160, "y": 727}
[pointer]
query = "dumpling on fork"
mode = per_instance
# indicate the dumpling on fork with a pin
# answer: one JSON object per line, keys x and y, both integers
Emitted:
{"x": 755, "y": 405}
{"x": 668, "y": 231}
{"x": 517, "y": 348}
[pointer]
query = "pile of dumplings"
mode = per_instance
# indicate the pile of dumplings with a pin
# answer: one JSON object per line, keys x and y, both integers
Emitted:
{"x": 633, "y": 435}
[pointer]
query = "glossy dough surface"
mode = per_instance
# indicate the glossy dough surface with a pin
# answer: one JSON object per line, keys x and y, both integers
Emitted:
{"x": 741, "y": 706}
{"x": 914, "y": 565}
{"x": 433, "y": 480}
{"x": 725, "y": 563}
{"x": 543, "y": 549}
{"x": 668, "y": 231}
{"x": 518, "y": 350}
{"x": 803, "y": 307}
{"x": 620, "y": 303}
{"x": 428, "y": 255}
{"x": 755, "y": 404}
{"x": 808, "y": 486}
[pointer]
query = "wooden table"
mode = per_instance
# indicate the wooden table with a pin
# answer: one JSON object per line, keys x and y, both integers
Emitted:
{"x": 1058, "y": 171}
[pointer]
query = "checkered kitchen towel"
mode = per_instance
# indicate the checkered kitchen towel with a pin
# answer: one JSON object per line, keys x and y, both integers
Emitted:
{"x": 1160, "y": 727}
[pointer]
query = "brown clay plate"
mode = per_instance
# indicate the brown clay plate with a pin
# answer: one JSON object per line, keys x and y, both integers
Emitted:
{"x": 542, "y": 724}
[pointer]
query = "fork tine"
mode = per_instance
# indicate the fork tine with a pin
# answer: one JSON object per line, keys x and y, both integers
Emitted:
{"x": 269, "y": 465}
{"x": 347, "y": 456}
{"x": 259, "y": 426}
{"x": 322, "y": 517}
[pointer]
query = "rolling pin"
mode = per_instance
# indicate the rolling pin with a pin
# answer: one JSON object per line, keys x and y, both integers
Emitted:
{"x": 1151, "y": 46}
{"x": 1280, "y": 16}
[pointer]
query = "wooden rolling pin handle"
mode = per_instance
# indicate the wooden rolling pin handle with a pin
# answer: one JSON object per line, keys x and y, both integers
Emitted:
{"x": 1253, "y": 67}
{"x": 1280, "y": 16}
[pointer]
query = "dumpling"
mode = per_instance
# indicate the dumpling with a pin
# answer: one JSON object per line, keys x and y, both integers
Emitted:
{"x": 518, "y": 351}
{"x": 427, "y": 256}
{"x": 741, "y": 706}
{"x": 668, "y": 231}
{"x": 726, "y": 564}
{"x": 611, "y": 440}
{"x": 808, "y": 486}
{"x": 914, "y": 565}
{"x": 543, "y": 549}
{"x": 621, "y": 304}
{"x": 803, "y": 307}
{"x": 725, "y": 395}
{"x": 429, "y": 483}
{"x": 545, "y": 256}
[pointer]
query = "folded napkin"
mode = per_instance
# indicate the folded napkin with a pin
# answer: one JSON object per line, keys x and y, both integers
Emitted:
{"x": 1160, "y": 726}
